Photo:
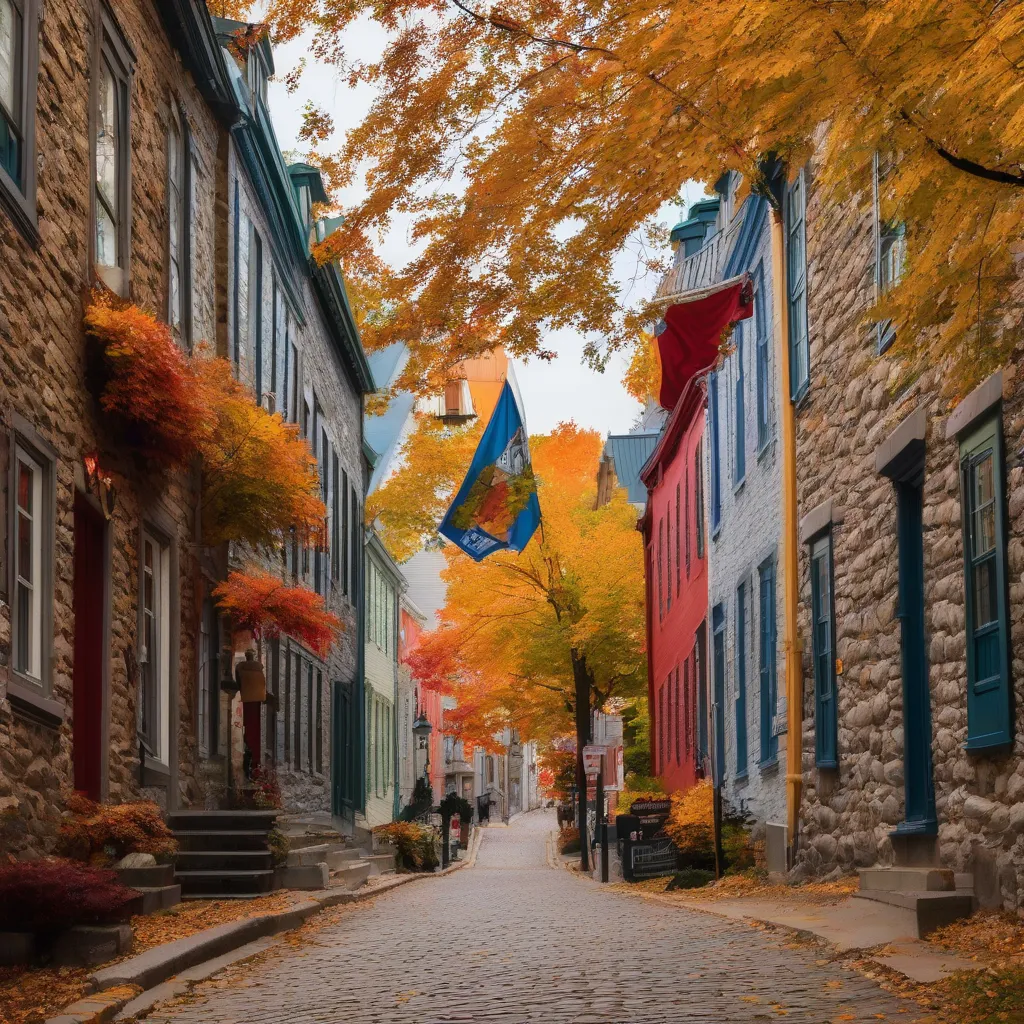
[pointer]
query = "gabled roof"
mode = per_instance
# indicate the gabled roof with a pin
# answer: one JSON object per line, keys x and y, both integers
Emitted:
{"x": 194, "y": 37}
{"x": 629, "y": 452}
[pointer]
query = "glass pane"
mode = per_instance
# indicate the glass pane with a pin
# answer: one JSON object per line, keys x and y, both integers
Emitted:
{"x": 106, "y": 238}
{"x": 984, "y": 576}
{"x": 22, "y": 658}
{"x": 175, "y": 293}
{"x": 25, "y": 487}
{"x": 147, "y": 555}
{"x": 986, "y": 655}
{"x": 25, "y": 548}
{"x": 106, "y": 138}
{"x": 10, "y": 38}
{"x": 984, "y": 512}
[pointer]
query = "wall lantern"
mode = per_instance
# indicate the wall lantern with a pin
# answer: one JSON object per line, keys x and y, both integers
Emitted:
{"x": 101, "y": 483}
{"x": 421, "y": 730}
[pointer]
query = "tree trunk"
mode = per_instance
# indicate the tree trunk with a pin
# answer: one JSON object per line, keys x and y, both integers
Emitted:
{"x": 584, "y": 680}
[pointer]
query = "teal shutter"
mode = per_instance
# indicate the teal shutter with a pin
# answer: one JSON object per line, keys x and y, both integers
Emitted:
{"x": 741, "y": 680}
{"x": 740, "y": 468}
{"x": 823, "y": 636}
{"x": 983, "y": 504}
{"x": 768, "y": 682}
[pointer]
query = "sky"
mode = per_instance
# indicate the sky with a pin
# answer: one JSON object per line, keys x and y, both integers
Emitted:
{"x": 552, "y": 392}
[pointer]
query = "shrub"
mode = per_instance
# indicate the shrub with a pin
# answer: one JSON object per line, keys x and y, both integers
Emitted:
{"x": 691, "y": 826}
{"x": 455, "y": 806}
{"x": 690, "y": 878}
{"x": 46, "y": 896}
{"x": 100, "y": 834}
{"x": 421, "y": 803}
{"x": 277, "y": 841}
{"x": 260, "y": 792}
{"x": 568, "y": 839}
{"x": 416, "y": 844}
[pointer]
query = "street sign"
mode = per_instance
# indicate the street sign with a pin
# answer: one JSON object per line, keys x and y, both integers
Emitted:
{"x": 592, "y": 759}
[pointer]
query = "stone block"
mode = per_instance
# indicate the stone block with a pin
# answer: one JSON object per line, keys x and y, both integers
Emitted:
{"x": 86, "y": 945}
{"x": 16, "y": 948}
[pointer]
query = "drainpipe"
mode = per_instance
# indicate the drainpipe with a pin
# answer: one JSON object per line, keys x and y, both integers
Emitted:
{"x": 791, "y": 646}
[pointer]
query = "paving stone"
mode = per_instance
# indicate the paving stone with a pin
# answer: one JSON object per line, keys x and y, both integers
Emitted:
{"x": 514, "y": 940}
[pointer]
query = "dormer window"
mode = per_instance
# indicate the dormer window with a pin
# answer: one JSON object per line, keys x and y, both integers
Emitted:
{"x": 256, "y": 73}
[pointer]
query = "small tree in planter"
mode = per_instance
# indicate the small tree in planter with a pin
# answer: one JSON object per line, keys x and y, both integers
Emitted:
{"x": 415, "y": 845}
{"x": 421, "y": 803}
{"x": 452, "y": 806}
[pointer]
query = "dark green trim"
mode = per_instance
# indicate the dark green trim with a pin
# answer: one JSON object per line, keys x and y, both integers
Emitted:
{"x": 823, "y": 644}
{"x": 990, "y": 699}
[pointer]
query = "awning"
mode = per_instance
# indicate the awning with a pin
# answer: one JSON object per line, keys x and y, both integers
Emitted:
{"x": 695, "y": 325}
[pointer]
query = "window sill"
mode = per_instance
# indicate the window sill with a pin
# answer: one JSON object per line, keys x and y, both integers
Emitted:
{"x": 741, "y": 778}
{"x": 769, "y": 767}
{"x": 28, "y": 702}
{"x": 153, "y": 772}
{"x": 738, "y": 485}
{"x": 765, "y": 449}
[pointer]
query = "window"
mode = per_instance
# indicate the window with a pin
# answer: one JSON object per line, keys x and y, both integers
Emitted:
{"x": 297, "y": 714}
{"x": 678, "y": 571}
{"x": 256, "y": 75}
{"x": 154, "y": 644}
{"x": 308, "y": 759}
{"x": 890, "y": 254}
{"x": 257, "y": 312}
{"x": 241, "y": 280}
{"x": 701, "y": 684}
{"x": 740, "y": 658}
{"x": 180, "y": 218}
{"x": 687, "y": 715}
{"x": 740, "y": 462}
{"x": 661, "y": 728}
{"x": 766, "y": 657}
{"x": 668, "y": 557}
{"x": 293, "y": 394}
{"x": 796, "y": 284}
{"x": 208, "y": 697}
{"x": 336, "y": 533}
{"x": 716, "y": 481}
{"x": 698, "y": 487}
{"x": 686, "y": 518}
{"x": 763, "y": 342}
{"x": 32, "y": 564}
{"x": 355, "y": 546}
{"x": 678, "y": 719}
{"x": 661, "y": 566}
{"x": 19, "y": 59}
{"x": 287, "y": 709}
{"x": 344, "y": 533}
{"x": 112, "y": 156}
{"x": 273, "y": 671}
{"x": 277, "y": 339}
{"x": 823, "y": 642}
{"x": 983, "y": 498}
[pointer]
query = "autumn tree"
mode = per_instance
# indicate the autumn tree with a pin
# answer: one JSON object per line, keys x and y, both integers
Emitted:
{"x": 539, "y": 639}
{"x": 531, "y": 143}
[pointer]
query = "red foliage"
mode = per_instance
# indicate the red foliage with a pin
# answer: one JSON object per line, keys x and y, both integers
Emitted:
{"x": 50, "y": 895}
{"x": 101, "y": 833}
{"x": 259, "y": 601}
{"x": 148, "y": 383}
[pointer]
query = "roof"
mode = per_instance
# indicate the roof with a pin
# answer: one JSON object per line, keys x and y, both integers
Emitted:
{"x": 629, "y": 453}
{"x": 385, "y": 431}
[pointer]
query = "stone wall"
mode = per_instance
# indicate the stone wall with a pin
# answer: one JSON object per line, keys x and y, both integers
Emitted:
{"x": 855, "y": 401}
{"x": 42, "y": 370}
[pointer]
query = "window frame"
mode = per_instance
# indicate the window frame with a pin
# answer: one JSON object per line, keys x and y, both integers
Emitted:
{"x": 113, "y": 49}
{"x": 43, "y": 457}
{"x": 698, "y": 498}
{"x": 823, "y": 613}
{"x": 152, "y": 739}
{"x": 768, "y": 680}
{"x": 740, "y": 659}
{"x": 19, "y": 199}
{"x": 186, "y": 213}
{"x": 739, "y": 473}
{"x": 991, "y": 698}
{"x": 886, "y": 236}
{"x": 762, "y": 343}
{"x": 796, "y": 285}
{"x": 715, "y": 454}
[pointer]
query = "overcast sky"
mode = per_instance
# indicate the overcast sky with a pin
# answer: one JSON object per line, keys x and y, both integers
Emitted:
{"x": 552, "y": 391}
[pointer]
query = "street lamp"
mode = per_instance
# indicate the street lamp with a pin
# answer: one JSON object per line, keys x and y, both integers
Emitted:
{"x": 421, "y": 730}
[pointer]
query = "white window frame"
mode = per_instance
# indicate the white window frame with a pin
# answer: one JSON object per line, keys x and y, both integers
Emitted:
{"x": 155, "y": 665}
{"x": 890, "y": 253}
{"x": 29, "y": 664}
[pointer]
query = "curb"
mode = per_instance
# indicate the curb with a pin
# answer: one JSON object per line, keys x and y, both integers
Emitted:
{"x": 115, "y": 986}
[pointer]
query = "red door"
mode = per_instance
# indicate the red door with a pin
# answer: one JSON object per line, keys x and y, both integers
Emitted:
{"x": 89, "y": 587}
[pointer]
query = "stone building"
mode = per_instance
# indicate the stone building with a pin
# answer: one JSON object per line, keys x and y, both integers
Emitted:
{"x": 911, "y": 614}
{"x": 93, "y": 188}
{"x": 744, "y": 523}
{"x": 286, "y": 325}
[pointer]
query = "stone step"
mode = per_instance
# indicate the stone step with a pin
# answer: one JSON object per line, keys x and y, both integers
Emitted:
{"x": 157, "y": 898}
{"x": 307, "y": 855}
{"x": 351, "y": 874}
{"x": 338, "y": 858}
{"x": 224, "y": 861}
{"x": 208, "y": 884}
{"x": 222, "y": 820}
{"x": 150, "y": 877}
{"x": 931, "y": 909}
{"x": 305, "y": 876}
{"x": 907, "y": 879}
{"x": 380, "y": 863}
{"x": 221, "y": 839}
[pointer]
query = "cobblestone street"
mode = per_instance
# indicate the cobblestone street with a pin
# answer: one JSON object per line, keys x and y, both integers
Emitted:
{"x": 512, "y": 939}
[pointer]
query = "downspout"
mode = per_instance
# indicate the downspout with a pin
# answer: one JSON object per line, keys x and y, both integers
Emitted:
{"x": 791, "y": 647}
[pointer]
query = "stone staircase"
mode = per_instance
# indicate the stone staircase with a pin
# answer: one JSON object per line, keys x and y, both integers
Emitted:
{"x": 154, "y": 882}
{"x": 223, "y": 854}
{"x": 320, "y": 858}
{"x": 935, "y": 896}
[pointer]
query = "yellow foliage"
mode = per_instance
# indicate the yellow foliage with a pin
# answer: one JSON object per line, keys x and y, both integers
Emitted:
{"x": 643, "y": 375}
{"x": 691, "y": 822}
{"x": 569, "y": 124}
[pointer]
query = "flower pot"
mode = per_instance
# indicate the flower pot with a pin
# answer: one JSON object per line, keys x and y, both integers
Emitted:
{"x": 252, "y": 680}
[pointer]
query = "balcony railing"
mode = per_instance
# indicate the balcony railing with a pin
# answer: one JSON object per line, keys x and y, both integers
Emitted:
{"x": 703, "y": 268}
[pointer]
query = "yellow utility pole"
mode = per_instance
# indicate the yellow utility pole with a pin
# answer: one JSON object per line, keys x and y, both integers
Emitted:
{"x": 791, "y": 585}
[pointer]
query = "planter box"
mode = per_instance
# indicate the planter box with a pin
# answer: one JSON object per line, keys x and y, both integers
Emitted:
{"x": 86, "y": 945}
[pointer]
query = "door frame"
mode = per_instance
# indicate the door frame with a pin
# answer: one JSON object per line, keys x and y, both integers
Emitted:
{"x": 81, "y": 493}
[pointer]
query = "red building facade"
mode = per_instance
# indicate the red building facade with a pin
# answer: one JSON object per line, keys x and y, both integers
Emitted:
{"x": 677, "y": 596}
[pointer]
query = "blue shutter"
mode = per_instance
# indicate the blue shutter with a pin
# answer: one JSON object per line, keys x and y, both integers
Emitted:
{"x": 741, "y": 680}
{"x": 716, "y": 476}
{"x": 761, "y": 327}
{"x": 823, "y": 638}
{"x": 740, "y": 468}
{"x": 796, "y": 280}
{"x": 767, "y": 678}
{"x": 718, "y": 640}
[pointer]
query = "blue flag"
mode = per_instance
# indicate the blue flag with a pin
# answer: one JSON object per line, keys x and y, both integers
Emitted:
{"x": 496, "y": 507}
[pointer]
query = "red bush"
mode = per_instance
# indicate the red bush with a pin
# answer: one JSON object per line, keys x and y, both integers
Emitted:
{"x": 101, "y": 833}
{"x": 50, "y": 895}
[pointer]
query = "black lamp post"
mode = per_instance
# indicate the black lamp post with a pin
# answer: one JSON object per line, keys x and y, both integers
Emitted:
{"x": 421, "y": 730}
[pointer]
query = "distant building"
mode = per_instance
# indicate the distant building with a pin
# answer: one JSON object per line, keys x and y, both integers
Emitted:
{"x": 622, "y": 459}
